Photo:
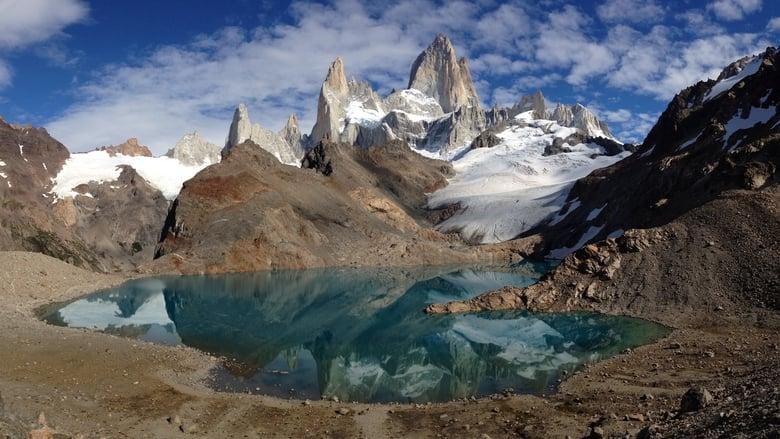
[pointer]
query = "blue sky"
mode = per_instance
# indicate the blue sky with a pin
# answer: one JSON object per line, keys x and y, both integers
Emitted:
{"x": 96, "y": 72}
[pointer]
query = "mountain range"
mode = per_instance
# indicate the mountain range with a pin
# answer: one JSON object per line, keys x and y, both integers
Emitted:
{"x": 426, "y": 171}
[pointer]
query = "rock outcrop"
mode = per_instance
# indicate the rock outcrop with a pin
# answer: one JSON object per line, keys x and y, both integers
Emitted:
{"x": 242, "y": 129}
{"x": 194, "y": 150}
{"x": 131, "y": 147}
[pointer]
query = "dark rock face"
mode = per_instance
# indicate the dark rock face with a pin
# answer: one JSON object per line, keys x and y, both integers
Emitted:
{"x": 687, "y": 159}
{"x": 315, "y": 159}
{"x": 120, "y": 220}
{"x": 485, "y": 140}
{"x": 250, "y": 212}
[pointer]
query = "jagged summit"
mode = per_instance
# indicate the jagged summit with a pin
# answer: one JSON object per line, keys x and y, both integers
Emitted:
{"x": 572, "y": 116}
{"x": 131, "y": 147}
{"x": 242, "y": 129}
{"x": 438, "y": 73}
{"x": 292, "y": 134}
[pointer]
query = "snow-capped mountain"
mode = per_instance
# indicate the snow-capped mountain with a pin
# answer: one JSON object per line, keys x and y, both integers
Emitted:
{"x": 438, "y": 114}
{"x": 522, "y": 177}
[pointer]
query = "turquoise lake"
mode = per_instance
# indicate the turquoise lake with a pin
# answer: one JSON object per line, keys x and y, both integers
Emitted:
{"x": 358, "y": 334}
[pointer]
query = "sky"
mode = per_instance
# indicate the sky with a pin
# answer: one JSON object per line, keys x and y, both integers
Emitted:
{"x": 96, "y": 72}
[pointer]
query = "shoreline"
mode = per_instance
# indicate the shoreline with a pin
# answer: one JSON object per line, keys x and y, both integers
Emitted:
{"x": 144, "y": 384}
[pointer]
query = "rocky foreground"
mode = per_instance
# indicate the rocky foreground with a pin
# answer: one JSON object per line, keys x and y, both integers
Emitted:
{"x": 95, "y": 385}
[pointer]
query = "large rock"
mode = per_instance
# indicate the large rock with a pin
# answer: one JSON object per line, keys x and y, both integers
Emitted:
{"x": 695, "y": 399}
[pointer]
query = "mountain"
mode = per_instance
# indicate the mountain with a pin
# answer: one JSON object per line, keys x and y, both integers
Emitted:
{"x": 194, "y": 150}
{"x": 519, "y": 172}
{"x": 438, "y": 73}
{"x": 105, "y": 226}
{"x": 242, "y": 129}
{"x": 346, "y": 206}
{"x": 713, "y": 137}
{"x": 691, "y": 220}
{"x": 438, "y": 114}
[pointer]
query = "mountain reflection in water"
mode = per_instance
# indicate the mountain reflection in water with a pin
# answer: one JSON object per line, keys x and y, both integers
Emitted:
{"x": 358, "y": 334}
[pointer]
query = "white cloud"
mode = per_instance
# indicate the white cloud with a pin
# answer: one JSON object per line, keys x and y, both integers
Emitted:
{"x": 773, "y": 25}
{"x": 733, "y": 9}
{"x": 630, "y": 11}
{"x": 619, "y": 115}
{"x": 275, "y": 70}
{"x": 563, "y": 43}
{"x": 27, "y": 22}
{"x": 279, "y": 69}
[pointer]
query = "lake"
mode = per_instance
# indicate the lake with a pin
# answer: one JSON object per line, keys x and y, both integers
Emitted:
{"x": 359, "y": 334}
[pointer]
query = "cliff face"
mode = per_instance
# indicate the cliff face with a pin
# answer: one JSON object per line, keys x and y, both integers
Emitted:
{"x": 242, "y": 130}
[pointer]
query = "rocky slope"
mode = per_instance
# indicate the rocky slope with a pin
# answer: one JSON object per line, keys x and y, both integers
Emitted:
{"x": 347, "y": 206}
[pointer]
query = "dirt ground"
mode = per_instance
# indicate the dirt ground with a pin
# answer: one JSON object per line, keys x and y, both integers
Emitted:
{"x": 95, "y": 385}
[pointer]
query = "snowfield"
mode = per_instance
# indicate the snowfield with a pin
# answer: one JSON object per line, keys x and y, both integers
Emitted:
{"x": 506, "y": 190}
{"x": 164, "y": 173}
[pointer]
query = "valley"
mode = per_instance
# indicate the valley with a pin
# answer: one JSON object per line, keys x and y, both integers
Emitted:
{"x": 416, "y": 265}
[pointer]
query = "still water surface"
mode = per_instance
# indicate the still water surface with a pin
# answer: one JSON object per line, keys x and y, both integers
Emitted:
{"x": 358, "y": 334}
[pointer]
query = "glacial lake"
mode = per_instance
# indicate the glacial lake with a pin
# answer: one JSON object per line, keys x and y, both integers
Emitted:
{"x": 358, "y": 334}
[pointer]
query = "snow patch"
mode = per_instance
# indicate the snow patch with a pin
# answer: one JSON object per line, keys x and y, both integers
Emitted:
{"x": 616, "y": 234}
{"x": 595, "y": 212}
{"x": 726, "y": 84}
{"x": 587, "y": 236}
{"x": 357, "y": 113}
{"x": 757, "y": 116}
{"x": 163, "y": 173}
{"x": 2, "y": 163}
{"x": 690, "y": 142}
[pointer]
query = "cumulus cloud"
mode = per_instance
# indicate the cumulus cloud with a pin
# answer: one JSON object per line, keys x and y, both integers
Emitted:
{"x": 630, "y": 11}
{"x": 734, "y": 9}
{"x": 24, "y": 23}
{"x": 773, "y": 25}
{"x": 278, "y": 69}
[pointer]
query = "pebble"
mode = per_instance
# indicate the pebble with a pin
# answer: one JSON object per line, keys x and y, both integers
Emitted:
{"x": 343, "y": 411}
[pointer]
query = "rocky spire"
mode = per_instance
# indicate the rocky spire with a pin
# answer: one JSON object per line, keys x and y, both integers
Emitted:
{"x": 438, "y": 73}
{"x": 329, "y": 112}
{"x": 131, "y": 147}
{"x": 534, "y": 102}
{"x": 292, "y": 134}
{"x": 242, "y": 129}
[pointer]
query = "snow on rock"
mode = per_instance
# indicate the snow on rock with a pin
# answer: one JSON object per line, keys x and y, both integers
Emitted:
{"x": 747, "y": 120}
{"x": 506, "y": 190}
{"x": 589, "y": 234}
{"x": 725, "y": 84}
{"x": 358, "y": 113}
{"x": 164, "y": 173}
